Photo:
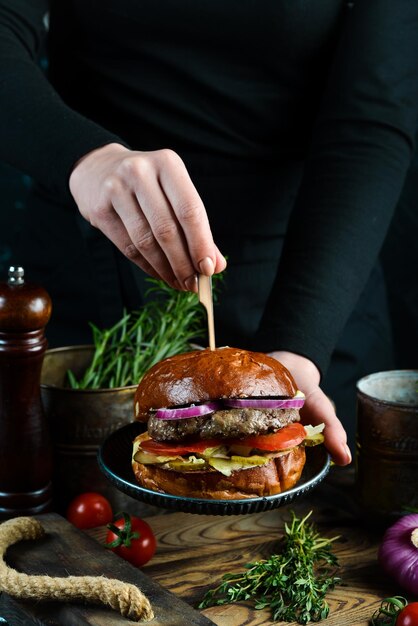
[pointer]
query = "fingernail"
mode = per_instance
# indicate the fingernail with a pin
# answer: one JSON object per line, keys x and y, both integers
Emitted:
{"x": 191, "y": 283}
{"x": 348, "y": 454}
{"x": 206, "y": 266}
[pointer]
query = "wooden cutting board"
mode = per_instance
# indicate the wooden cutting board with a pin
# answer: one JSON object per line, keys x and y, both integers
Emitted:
{"x": 67, "y": 551}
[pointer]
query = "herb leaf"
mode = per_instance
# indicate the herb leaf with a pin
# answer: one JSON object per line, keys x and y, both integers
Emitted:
{"x": 166, "y": 325}
{"x": 292, "y": 583}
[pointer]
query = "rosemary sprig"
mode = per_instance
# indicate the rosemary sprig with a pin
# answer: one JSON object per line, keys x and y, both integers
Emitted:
{"x": 292, "y": 583}
{"x": 166, "y": 325}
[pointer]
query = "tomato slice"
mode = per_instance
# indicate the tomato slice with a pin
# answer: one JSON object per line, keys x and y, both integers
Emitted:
{"x": 287, "y": 437}
{"x": 175, "y": 449}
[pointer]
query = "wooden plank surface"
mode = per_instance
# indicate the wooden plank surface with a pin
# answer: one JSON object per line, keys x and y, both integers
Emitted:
{"x": 67, "y": 551}
{"x": 218, "y": 545}
{"x": 194, "y": 551}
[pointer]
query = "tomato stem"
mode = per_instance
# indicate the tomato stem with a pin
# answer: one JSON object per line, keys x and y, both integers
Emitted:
{"x": 124, "y": 535}
{"x": 389, "y": 610}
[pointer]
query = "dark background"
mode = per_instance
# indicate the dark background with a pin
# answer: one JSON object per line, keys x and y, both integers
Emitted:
{"x": 14, "y": 188}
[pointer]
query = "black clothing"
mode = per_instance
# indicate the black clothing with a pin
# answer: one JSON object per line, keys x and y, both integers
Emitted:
{"x": 293, "y": 118}
{"x": 400, "y": 264}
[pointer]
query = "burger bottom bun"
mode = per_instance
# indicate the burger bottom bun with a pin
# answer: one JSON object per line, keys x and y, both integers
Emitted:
{"x": 277, "y": 475}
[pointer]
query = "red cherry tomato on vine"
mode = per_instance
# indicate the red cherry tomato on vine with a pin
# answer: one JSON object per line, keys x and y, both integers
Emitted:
{"x": 131, "y": 538}
{"x": 88, "y": 510}
{"x": 408, "y": 616}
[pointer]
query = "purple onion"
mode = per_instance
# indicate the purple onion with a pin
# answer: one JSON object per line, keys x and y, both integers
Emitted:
{"x": 197, "y": 410}
{"x": 265, "y": 403}
{"x": 398, "y": 552}
{"x": 194, "y": 410}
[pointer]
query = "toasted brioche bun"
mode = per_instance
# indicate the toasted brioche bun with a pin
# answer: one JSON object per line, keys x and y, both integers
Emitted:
{"x": 279, "y": 474}
{"x": 205, "y": 375}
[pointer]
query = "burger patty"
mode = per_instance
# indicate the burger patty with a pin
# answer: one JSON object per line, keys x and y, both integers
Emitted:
{"x": 234, "y": 423}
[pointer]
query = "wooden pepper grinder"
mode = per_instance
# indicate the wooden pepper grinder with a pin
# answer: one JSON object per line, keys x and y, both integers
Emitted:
{"x": 25, "y": 448}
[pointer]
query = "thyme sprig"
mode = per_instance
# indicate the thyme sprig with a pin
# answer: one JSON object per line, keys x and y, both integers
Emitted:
{"x": 292, "y": 583}
{"x": 165, "y": 325}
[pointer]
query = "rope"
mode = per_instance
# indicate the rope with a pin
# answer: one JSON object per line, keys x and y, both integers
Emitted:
{"x": 120, "y": 596}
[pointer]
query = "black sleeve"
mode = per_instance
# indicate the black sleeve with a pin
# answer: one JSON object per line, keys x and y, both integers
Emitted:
{"x": 361, "y": 148}
{"x": 40, "y": 135}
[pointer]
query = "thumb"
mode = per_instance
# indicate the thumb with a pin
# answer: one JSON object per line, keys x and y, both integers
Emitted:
{"x": 319, "y": 409}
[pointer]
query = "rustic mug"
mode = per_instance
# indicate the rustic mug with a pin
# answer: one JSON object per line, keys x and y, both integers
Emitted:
{"x": 387, "y": 443}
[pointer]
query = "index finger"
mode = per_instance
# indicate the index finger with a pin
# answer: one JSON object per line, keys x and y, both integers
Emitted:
{"x": 192, "y": 217}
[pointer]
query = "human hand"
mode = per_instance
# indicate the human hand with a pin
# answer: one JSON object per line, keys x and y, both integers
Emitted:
{"x": 317, "y": 408}
{"x": 147, "y": 205}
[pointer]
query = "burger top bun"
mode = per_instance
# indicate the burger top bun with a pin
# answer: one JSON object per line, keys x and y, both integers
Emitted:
{"x": 205, "y": 375}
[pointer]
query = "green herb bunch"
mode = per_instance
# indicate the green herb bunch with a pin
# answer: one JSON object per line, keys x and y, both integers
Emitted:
{"x": 164, "y": 326}
{"x": 292, "y": 583}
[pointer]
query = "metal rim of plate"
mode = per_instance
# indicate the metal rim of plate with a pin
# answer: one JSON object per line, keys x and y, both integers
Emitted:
{"x": 114, "y": 458}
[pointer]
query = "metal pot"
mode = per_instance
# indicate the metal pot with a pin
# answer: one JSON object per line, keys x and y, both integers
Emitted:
{"x": 79, "y": 421}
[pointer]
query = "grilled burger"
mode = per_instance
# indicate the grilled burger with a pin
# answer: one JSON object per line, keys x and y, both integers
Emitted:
{"x": 222, "y": 424}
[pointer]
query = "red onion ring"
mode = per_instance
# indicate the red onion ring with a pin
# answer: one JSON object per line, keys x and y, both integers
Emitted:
{"x": 265, "y": 403}
{"x": 196, "y": 410}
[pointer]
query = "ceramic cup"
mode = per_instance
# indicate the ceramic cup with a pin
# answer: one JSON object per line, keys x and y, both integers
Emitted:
{"x": 387, "y": 443}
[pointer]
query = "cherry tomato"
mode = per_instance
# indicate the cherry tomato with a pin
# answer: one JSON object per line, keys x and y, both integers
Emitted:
{"x": 88, "y": 510}
{"x": 175, "y": 449}
{"x": 408, "y": 616}
{"x": 132, "y": 539}
{"x": 287, "y": 437}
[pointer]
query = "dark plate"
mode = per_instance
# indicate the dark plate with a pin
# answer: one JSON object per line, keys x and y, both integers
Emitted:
{"x": 114, "y": 459}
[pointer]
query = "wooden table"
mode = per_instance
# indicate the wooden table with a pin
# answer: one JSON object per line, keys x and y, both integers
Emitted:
{"x": 194, "y": 551}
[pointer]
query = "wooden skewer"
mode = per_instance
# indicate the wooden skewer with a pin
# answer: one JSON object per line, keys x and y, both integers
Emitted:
{"x": 205, "y": 297}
